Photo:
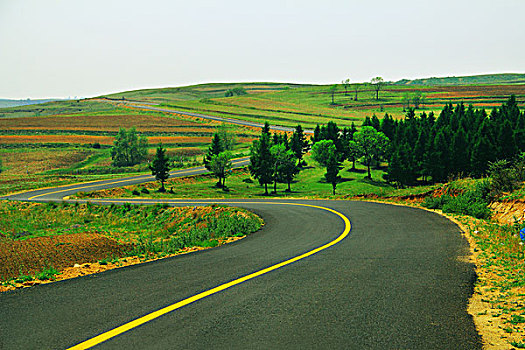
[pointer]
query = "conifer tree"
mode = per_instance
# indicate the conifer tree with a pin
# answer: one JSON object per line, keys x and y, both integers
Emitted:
{"x": 215, "y": 148}
{"x": 261, "y": 162}
{"x": 160, "y": 167}
{"x": 298, "y": 143}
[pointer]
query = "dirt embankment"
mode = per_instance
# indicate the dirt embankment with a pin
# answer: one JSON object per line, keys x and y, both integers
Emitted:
{"x": 508, "y": 211}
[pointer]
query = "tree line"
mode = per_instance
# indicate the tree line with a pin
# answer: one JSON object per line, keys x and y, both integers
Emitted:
{"x": 461, "y": 141}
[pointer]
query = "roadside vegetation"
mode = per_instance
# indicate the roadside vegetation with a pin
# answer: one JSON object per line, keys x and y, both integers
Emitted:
{"x": 37, "y": 237}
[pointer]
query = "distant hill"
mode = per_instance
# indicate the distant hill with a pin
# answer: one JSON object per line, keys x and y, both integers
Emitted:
{"x": 506, "y": 78}
{"x": 4, "y": 103}
{"x": 200, "y": 91}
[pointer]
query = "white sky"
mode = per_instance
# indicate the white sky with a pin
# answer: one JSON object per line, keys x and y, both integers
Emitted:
{"x": 61, "y": 48}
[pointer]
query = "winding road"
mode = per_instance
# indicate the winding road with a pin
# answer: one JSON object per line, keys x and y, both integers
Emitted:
{"x": 398, "y": 280}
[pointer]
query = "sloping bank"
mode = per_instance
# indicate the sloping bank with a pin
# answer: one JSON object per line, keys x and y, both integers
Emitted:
{"x": 45, "y": 242}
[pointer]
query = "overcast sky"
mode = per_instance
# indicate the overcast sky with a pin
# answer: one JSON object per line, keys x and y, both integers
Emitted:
{"x": 61, "y": 48}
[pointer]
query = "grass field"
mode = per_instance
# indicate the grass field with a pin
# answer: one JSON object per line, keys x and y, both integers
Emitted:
{"x": 311, "y": 104}
{"x": 309, "y": 183}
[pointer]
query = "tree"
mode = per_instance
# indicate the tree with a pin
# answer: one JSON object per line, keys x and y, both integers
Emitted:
{"x": 278, "y": 152}
{"x": 377, "y": 83}
{"x": 220, "y": 166}
{"x": 416, "y": 99}
{"x": 160, "y": 167}
{"x": 324, "y": 153}
{"x": 226, "y": 136}
{"x": 235, "y": 91}
{"x": 288, "y": 169}
{"x": 370, "y": 143}
{"x": 356, "y": 90}
{"x": 128, "y": 148}
{"x": 215, "y": 148}
{"x": 261, "y": 159}
{"x": 332, "y": 91}
{"x": 298, "y": 143}
{"x": 346, "y": 85}
{"x": 353, "y": 152}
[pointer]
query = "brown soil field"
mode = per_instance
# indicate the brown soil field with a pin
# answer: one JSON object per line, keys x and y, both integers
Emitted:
{"x": 30, "y": 256}
{"x": 475, "y": 90}
{"x": 103, "y": 140}
{"x": 39, "y": 160}
{"x": 103, "y": 123}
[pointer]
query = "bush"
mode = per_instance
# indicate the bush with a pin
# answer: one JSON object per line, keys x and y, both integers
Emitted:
{"x": 504, "y": 177}
{"x": 472, "y": 202}
{"x": 435, "y": 202}
{"x": 144, "y": 190}
{"x": 136, "y": 193}
{"x": 467, "y": 204}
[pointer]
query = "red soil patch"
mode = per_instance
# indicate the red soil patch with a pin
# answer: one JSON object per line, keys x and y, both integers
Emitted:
{"x": 101, "y": 123}
{"x": 32, "y": 255}
{"x": 103, "y": 140}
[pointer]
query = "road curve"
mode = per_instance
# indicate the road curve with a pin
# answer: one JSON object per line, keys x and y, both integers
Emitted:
{"x": 397, "y": 281}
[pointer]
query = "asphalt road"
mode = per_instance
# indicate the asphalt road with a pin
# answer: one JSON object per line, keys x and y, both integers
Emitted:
{"x": 56, "y": 194}
{"x": 398, "y": 281}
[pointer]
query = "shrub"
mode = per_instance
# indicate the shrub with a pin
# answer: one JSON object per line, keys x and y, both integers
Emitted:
{"x": 472, "y": 202}
{"x": 504, "y": 177}
{"x": 144, "y": 190}
{"x": 47, "y": 274}
{"x": 136, "y": 193}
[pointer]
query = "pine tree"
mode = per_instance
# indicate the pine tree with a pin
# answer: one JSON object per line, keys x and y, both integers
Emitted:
{"x": 388, "y": 126}
{"x": 261, "y": 162}
{"x": 482, "y": 154}
{"x": 506, "y": 143}
{"x": 215, "y": 148}
{"x": 298, "y": 143}
{"x": 160, "y": 167}
{"x": 459, "y": 156}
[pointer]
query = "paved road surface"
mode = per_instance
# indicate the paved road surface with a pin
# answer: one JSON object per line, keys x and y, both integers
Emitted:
{"x": 396, "y": 282}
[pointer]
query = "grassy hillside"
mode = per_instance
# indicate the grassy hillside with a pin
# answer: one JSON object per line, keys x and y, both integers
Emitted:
{"x": 311, "y": 105}
{"x": 197, "y": 92}
{"x": 506, "y": 78}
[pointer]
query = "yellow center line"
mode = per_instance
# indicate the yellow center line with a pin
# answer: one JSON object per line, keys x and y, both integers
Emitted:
{"x": 155, "y": 314}
{"x": 93, "y": 183}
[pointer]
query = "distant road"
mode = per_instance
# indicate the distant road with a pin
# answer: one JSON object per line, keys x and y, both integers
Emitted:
{"x": 56, "y": 194}
{"x": 210, "y": 117}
